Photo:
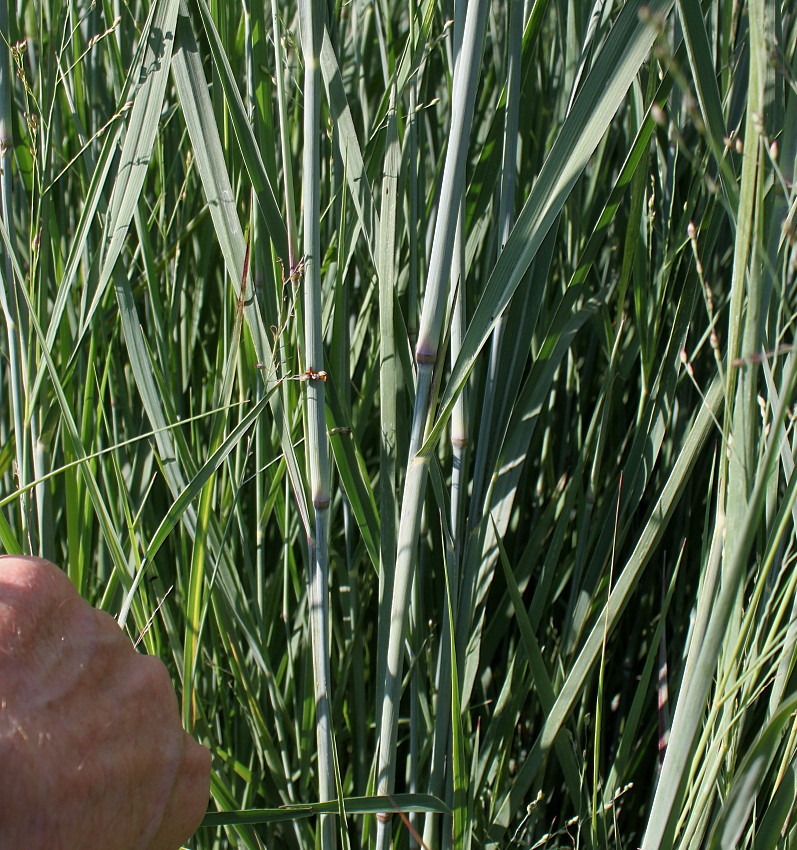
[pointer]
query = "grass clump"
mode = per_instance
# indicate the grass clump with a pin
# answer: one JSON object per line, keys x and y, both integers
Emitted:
{"x": 419, "y": 384}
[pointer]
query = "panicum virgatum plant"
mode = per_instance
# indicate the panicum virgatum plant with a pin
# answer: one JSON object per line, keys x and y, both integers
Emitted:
{"x": 418, "y": 381}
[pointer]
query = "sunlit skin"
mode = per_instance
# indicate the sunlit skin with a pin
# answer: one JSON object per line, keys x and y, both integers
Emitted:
{"x": 92, "y": 749}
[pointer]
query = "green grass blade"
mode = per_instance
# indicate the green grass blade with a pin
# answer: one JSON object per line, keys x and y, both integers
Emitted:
{"x": 749, "y": 778}
{"x": 354, "y": 806}
{"x": 251, "y": 155}
{"x": 626, "y": 581}
{"x": 603, "y": 91}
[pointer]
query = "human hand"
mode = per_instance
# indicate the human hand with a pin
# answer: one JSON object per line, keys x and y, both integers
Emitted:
{"x": 92, "y": 751}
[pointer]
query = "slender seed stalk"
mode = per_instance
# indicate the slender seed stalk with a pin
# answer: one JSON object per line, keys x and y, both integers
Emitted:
{"x": 311, "y": 13}
{"x": 465, "y": 80}
{"x": 440, "y": 758}
{"x": 506, "y": 214}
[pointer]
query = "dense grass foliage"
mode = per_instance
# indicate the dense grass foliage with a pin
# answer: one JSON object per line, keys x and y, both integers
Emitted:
{"x": 418, "y": 383}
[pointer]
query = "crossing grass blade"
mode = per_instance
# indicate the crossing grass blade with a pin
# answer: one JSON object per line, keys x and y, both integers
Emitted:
{"x": 354, "y": 806}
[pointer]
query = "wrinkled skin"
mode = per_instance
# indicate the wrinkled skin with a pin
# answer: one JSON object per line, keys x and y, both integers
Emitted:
{"x": 92, "y": 751}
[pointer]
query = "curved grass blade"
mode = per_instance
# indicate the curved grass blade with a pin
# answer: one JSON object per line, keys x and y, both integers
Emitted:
{"x": 250, "y": 152}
